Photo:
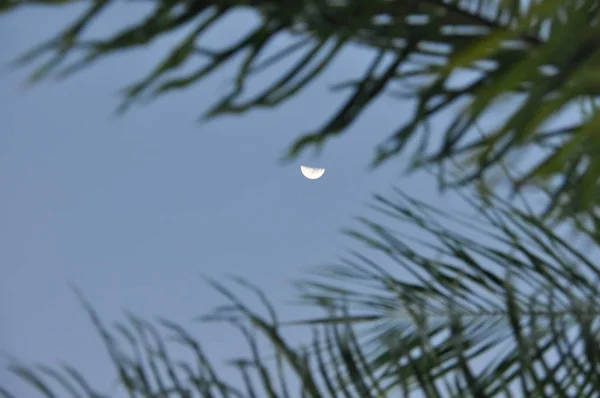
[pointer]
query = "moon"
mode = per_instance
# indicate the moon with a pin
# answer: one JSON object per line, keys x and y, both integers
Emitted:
{"x": 312, "y": 173}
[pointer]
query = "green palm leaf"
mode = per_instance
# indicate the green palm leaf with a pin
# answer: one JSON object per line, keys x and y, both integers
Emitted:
{"x": 462, "y": 57}
{"x": 487, "y": 304}
{"x": 511, "y": 295}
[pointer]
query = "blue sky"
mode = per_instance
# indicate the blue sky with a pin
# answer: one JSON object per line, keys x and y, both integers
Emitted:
{"x": 136, "y": 210}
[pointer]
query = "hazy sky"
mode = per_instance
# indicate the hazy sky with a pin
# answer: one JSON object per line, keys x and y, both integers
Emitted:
{"x": 136, "y": 210}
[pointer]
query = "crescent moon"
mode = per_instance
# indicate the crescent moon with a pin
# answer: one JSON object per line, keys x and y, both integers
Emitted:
{"x": 312, "y": 173}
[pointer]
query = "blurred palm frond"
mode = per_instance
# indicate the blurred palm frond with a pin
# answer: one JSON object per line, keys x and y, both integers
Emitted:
{"x": 465, "y": 58}
{"x": 487, "y": 304}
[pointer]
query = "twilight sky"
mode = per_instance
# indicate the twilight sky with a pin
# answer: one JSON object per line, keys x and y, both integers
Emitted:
{"x": 136, "y": 210}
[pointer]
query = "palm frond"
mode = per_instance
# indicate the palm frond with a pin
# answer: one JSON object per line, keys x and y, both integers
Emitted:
{"x": 489, "y": 304}
{"x": 464, "y": 57}
{"x": 499, "y": 284}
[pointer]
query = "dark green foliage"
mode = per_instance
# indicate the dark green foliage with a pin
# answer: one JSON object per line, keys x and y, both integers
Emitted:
{"x": 541, "y": 55}
{"x": 491, "y": 304}
{"x": 514, "y": 312}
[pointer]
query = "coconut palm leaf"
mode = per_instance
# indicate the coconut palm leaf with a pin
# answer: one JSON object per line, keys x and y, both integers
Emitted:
{"x": 144, "y": 368}
{"x": 463, "y": 57}
{"x": 488, "y": 304}
{"x": 501, "y": 286}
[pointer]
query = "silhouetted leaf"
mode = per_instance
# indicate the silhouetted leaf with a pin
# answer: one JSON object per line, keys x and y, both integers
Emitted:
{"x": 540, "y": 55}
